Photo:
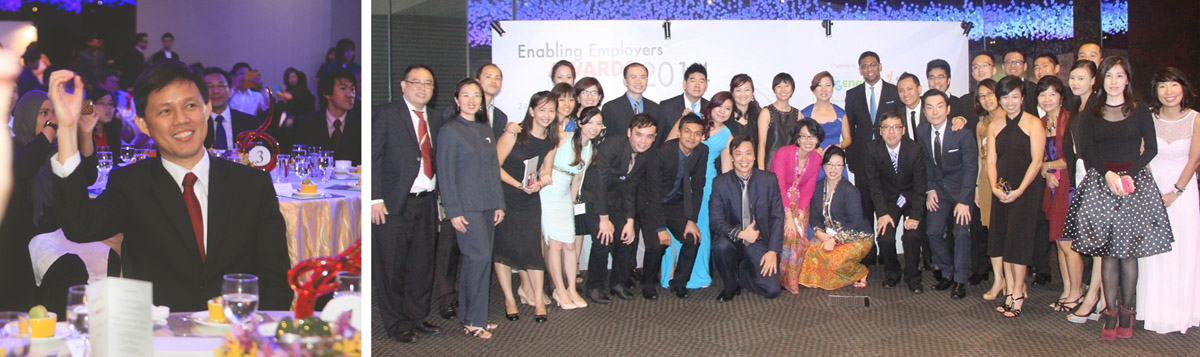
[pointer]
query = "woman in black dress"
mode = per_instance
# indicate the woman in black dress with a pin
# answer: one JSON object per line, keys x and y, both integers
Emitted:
{"x": 1117, "y": 213}
{"x": 471, "y": 197}
{"x": 519, "y": 237}
{"x": 745, "y": 109}
{"x": 1016, "y": 189}
{"x": 778, "y": 122}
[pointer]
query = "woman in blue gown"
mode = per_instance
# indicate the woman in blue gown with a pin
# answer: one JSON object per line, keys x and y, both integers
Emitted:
{"x": 716, "y": 113}
{"x": 830, "y": 116}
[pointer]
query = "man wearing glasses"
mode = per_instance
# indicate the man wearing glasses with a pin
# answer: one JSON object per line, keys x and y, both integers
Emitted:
{"x": 895, "y": 173}
{"x": 224, "y": 123}
{"x": 404, "y": 211}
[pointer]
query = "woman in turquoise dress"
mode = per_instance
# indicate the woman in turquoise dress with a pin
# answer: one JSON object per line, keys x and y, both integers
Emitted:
{"x": 830, "y": 116}
{"x": 716, "y": 113}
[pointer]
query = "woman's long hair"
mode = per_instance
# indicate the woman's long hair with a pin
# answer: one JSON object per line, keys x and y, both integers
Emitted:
{"x": 751, "y": 109}
{"x": 537, "y": 99}
{"x": 585, "y": 117}
{"x": 717, "y": 100}
{"x": 1097, "y": 104}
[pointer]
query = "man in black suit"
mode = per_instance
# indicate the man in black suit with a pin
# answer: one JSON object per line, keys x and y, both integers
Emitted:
{"x": 618, "y": 112}
{"x": 895, "y": 172}
{"x": 187, "y": 218}
{"x": 135, "y": 60}
{"x": 1016, "y": 65}
{"x": 911, "y": 112}
{"x": 952, "y": 165}
{"x": 168, "y": 41}
{"x": 490, "y": 77}
{"x": 865, "y": 103}
{"x": 669, "y": 203}
{"x": 224, "y": 123}
{"x": 338, "y": 127}
{"x": 746, "y": 245}
{"x": 938, "y": 73}
{"x": 983, "y": 66}
{"x": 695, "y": 83}
{"x": 404, "y": 212}
{"x": 610, "y": 184}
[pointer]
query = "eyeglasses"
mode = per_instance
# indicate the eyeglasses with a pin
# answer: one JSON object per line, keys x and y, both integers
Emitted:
{"x": 981, "y": 65}
{"x": 891, "y": 127}
{"x": 221, "y": 85}
{"x": 589, "y": 92}
{"x": 1014, "y": 63}
{"x": 420, "y": 84}
{"x": 808, "y": 137}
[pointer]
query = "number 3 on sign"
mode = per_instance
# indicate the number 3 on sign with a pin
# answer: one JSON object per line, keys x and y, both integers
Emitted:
{"x": 260, "y": 156}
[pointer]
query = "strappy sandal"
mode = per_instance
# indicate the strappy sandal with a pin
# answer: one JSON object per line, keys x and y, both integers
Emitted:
{"x": 1062, "y": 305}
{"x": 1004, "y": 304}
{"x": 1013, "y": 310}
{"x": 482, "y": 333}
{"x": 861, "y": 284}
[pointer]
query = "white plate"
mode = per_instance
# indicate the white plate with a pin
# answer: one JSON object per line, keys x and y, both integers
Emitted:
{"x": 354, "y": 175}
{"x": 334, "y": 309}
{"x": 201, "y": 318}
{"x": 61, "y": 331}
{"x": 299, "y": 194}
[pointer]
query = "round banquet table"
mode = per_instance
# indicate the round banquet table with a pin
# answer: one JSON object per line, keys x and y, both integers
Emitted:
{"x": 180, "y": 337}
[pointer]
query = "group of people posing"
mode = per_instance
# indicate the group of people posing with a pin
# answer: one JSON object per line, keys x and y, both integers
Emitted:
{"x": 983, "y": 184}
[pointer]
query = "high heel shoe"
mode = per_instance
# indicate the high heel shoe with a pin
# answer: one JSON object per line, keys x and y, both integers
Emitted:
{"x": 1013, "y": 310}
{"x": 1092, "y": 314}
{"x": 990, "y": 296}
{"x": 1125, "y": 322}
{"x": 568, "y": 305}
{"x": 512, "y": 317}
{"x": 539, "y": 318}
{"x": 482, "y": 333}
{"x": 521, "y": 295}
{"x": 1108, "y": 331}
{"x": 1005, "y": 304}
{"x": 577, "y": 300}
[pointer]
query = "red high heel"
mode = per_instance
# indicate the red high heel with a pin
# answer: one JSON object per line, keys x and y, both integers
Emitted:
{"x": 1125, "y": 323}
{"x": 1109, "y": 316}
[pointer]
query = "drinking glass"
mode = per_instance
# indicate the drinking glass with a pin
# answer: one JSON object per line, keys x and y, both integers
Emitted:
{"x": 127, "y": 153}
{"x": 103, "y": 148}
{"x": 349, "y": 284}
{"x": 77, "y": 313}
{"x": 299, "y": 150}
{"x": 12, "y": 339}
{"x": 324, "y": 162}
{"x": 239, "y": 294}
{"x": 281, "y": 167}
{"x": 302, "y": 166}
{"x": 104, "y": 163}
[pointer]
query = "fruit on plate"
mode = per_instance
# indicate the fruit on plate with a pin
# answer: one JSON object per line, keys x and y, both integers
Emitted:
{"x": 307, "y": 186}
{"x": 38, "y": 312}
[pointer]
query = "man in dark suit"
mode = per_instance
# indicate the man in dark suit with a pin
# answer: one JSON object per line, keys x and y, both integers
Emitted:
{"x": 669, "y": 202}
{"x": 404, "y": 212}
{"x": 168, "y": 41}
{"x": 746, "y": 245}
{"x": 895, "y": 171}
{"x": 951, "y": 166}
{"x": 983, "y": 66}
{"x": 938, "y": 73}
{"x": 224, "y": 123}
{"x": 911, "y": 110}
{"x": 187, "y": 218}
{"x": 618, "y": 112}
{"x": 608, "y": 191}
{"x": 865, "y": 103}
{"x": 338, "y": 127}
{"x": 135, "y": 61}
{"x": 695, "y": 83}
{"x": 490, "y": 77}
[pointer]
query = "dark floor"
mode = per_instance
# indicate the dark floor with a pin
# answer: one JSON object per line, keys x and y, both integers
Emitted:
{"x": 897, "y": 323}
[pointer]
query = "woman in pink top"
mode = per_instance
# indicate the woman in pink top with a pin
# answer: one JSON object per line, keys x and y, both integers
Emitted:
{"x": 796, "y": 166}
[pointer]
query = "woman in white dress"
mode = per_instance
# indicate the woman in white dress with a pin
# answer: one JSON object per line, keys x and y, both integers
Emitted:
{"x": 1169, "y": 290}
{"x": 573, "y": 154}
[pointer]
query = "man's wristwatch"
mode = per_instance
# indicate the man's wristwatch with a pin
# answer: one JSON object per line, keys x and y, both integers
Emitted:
{"x": 1178, "y": 191}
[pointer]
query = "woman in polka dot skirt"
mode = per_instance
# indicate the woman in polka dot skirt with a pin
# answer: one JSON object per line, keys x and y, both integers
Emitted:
{"x": 1117, "y": 213}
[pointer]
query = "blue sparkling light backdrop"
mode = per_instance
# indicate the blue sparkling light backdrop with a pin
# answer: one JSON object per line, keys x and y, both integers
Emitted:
{"x": 1045, "y": 20}
{"x": 64, "y": 5}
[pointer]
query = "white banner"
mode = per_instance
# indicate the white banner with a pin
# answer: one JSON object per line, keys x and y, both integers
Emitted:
{"x": 760, "y": 48}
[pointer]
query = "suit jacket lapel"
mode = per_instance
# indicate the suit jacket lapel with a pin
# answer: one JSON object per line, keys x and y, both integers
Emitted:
{"x": 406, "y": 126}
{"x": 170, "y": 199}
{"x": 220, "y": 200}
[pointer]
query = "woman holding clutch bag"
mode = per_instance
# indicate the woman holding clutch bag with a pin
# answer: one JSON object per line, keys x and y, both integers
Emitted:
{"x": 1117, "y": 212}
{"x": 519, "y": 237}
{"x": 797, "y": 167}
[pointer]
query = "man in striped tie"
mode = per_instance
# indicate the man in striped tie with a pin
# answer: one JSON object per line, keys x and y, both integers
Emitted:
{"x": 895, "y": 172}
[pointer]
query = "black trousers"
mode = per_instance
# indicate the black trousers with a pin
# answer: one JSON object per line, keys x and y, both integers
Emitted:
{"x": 445, "y": 266}
{"x": 652, "y": 258}
{"x": 868, "y": 208}
{"x": 1042, "y": 246}
{"x": 980, "y": 262}
{"x": 402, "y": 263}
{"x": 623, "y": 259}
{"x": 911, "y": 240}
{"x": 740, "y": 265}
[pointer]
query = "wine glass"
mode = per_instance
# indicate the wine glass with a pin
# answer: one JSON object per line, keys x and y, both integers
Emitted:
{"x": 127, "y": 153}
{"x": 12, "y": 338}
{"x": 299, "y": 150}
{"x": 104, "y": 163}
{"x": 324, "y": 161}
{"x": 302, "y": 166}
{"x": 349, "y": 284}
{"x": 281, "y": 167}
{"x": 239, "y": 294}
{"x": 77, "y": 312}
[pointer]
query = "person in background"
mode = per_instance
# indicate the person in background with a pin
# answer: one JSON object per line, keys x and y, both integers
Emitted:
{"x": 343, "y": 57}
{"x": 695, "y": 83}
{"x": 590, "y": 93}
{"x": 135, "y": 60}
{"x": 167, "y": 52}
{"x": 29, "y": 79}
{"x": 618, "y": 113}
{"x": 778, "y": 122}
{"x": 562, "y": 72}
{"x": 1090, "y": 51}
{"x": 91, "y": 61}
{"x": 297, "y": 101}
{"x": 243, "y": 98}
{"x": 831, "y": 117}
{"x": 122, "y": 100}
{"x": 339, "y": 126}
{"x": 225, "y": 122}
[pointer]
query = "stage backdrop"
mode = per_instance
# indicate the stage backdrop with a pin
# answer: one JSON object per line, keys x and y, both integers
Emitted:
{"x": 761, "y": 49}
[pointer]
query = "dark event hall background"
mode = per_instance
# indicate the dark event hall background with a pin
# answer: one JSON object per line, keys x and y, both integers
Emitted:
{"x": 271, "y": 35}
{"x": 454, "y": 37}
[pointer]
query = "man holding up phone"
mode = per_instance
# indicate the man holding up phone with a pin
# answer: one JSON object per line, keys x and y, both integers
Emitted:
{"x": 249, "y": 95}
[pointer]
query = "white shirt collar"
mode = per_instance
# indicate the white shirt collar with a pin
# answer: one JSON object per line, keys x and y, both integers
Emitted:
{"x": 329, "y": 118}
{"x": 413, "y": 107}
{"x": 894, "y": 151}
{"x": 178, "y": 172}
{"x": 224, "y": 114}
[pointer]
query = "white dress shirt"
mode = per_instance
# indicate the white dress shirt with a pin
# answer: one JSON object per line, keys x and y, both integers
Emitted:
{"x": 247, "y": 101}
{"x": 177, "y": 173}
{"x": 227, "y": 127}
{"x": 910, "y": 113}
{"x": 422, "y": 183}
{"x": 940, "y": 131}
{"x": 877, "y": 89}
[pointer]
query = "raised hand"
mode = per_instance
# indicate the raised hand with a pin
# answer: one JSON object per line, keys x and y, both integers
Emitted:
{"x": 67, "y": 106}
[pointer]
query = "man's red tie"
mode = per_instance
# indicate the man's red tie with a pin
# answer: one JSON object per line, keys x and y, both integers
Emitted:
{"x": 426, "y": 145}
{"x": 193, "y": 206}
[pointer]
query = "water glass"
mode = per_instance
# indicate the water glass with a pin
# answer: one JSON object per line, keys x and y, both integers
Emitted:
{"x": 127, "y": 153}
{"x": 104, "y": 163}
{"x": 349, "y": 284}
{"x": 13, "y": 340}
{"x": 302, "y": 166}
{"x": 325, "y": 162}
{"x": 299, "y": 150}
{"x": 239, "y": 294}
{"x": 282, "y": 161}
{"x": 103, "y": 148}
